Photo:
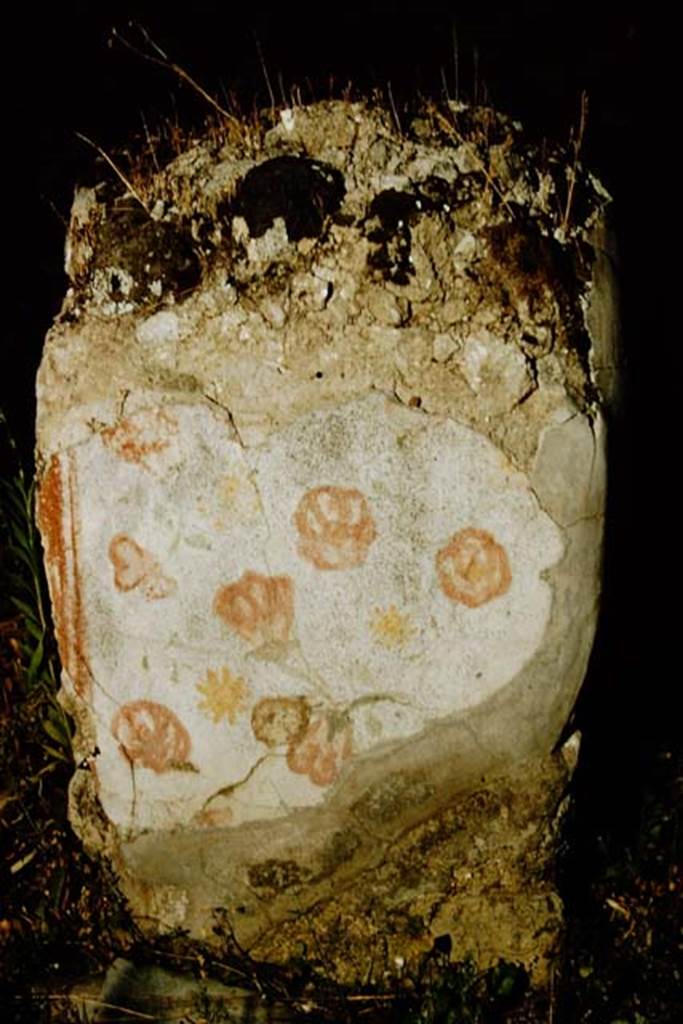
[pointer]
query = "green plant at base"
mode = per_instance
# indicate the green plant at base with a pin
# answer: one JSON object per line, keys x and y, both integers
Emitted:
{"x": 25, "y": 592}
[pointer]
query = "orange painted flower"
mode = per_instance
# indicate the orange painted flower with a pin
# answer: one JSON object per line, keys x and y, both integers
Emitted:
{"x": 320, "y": 752}
{"x": 335, "y": 527}
{"x": 258, "y": 608}
{"x": 151, "y": 735}
{"x": 279, "y": 720}
{"x": 135, "y": 567}
{"x": 473, "y": 568}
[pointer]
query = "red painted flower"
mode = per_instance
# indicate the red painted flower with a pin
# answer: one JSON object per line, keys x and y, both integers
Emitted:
{"x": 322, "y": 749}
{"x": 335, "y": 527}
{"x": 140, "y": 437}
{"x": 279, "y": 720}
{"x": 259, "y": 608}
{"x": 135, "y": 567}
{"x": 151, "y": 735}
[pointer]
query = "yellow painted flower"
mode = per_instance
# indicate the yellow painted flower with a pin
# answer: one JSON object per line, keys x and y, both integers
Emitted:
{"x": 223, "y": 695}
{"x": 390, "y": 628}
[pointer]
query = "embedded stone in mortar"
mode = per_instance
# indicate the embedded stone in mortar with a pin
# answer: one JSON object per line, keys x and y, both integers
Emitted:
{"x": 370, "y": 568}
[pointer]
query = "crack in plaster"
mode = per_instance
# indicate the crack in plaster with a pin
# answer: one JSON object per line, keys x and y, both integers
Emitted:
{"x": 533, "y": 373}
{"x": 594, "y": 455}
{"x": 125, "y": 394}
{"x": 83, "y": 661}
{"x": 284, "y": 806}
{"x": 228, "y": 413}
{"x": 229, "y": 790}
{"x": 582, "y": 519}
{"x": 134, "y": 788}
{"x": 372, "y": 698}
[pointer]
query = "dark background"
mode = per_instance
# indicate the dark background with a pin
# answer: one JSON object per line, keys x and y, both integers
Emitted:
{"x": 61, "y": 74}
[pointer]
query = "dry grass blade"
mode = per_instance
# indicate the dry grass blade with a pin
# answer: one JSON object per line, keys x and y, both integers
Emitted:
{"x": 116, "y": 169}
{"x": 264, "y": 69}
{"x": 394, "y": 111}
{"x": 576, "y": 143}
{"x": 162, "y": 59}
{"x": 449, "y": 127}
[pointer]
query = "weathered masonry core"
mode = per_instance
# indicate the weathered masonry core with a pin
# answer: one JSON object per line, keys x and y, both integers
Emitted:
{"x": 322, "y": 478}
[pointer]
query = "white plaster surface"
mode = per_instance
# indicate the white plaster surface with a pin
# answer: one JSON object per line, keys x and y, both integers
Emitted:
{"x": 305, "y": 570}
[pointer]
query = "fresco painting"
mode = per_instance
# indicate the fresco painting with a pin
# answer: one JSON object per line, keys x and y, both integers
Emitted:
{"x": 363, "y": 578}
